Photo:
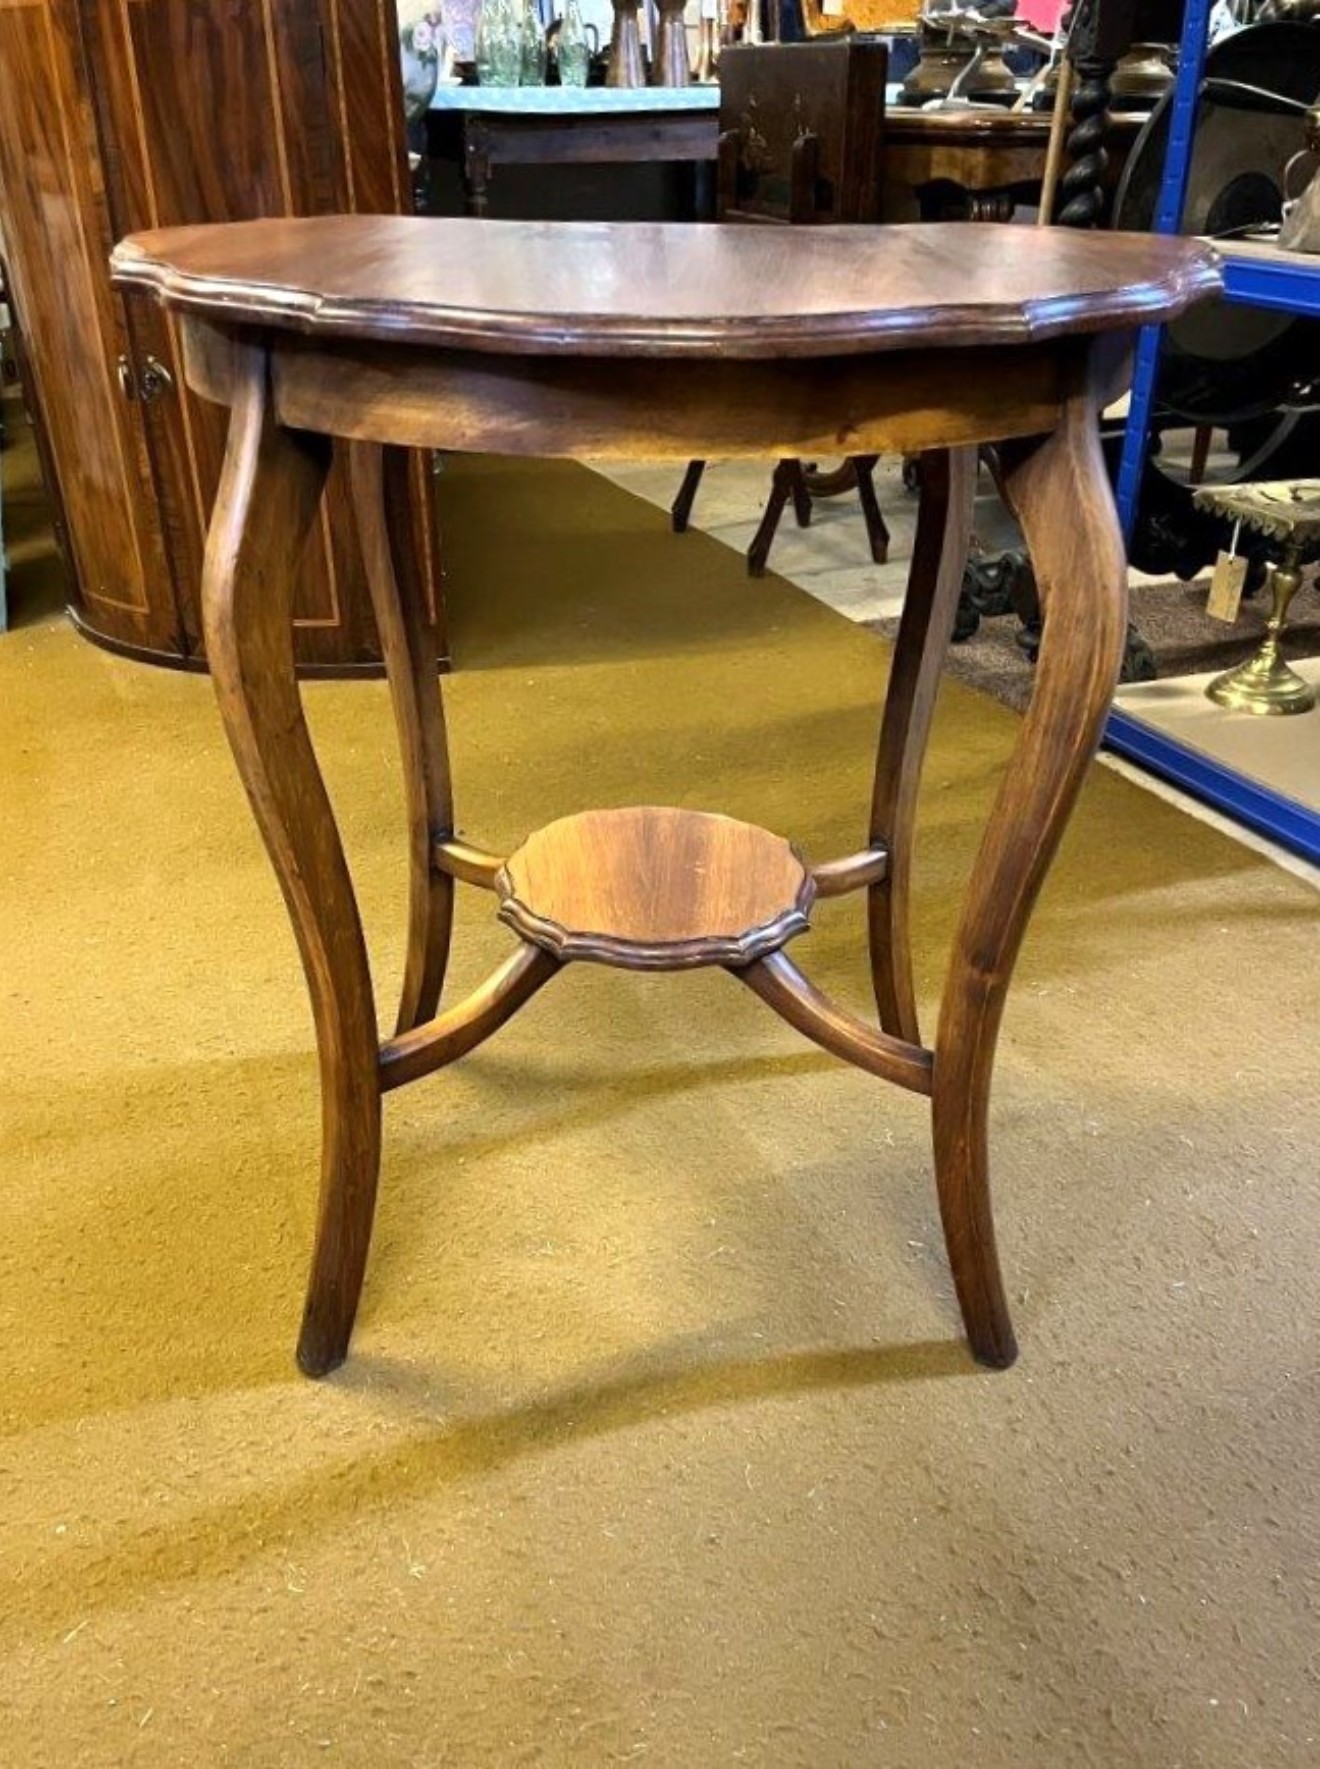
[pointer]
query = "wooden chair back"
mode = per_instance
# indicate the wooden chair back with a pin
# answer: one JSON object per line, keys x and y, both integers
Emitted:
{"x": 801, "y": 131}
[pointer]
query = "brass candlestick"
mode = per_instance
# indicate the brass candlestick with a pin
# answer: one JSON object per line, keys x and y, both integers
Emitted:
{"x": 1288, "y": 512}
{"x": 1265, "y": 683}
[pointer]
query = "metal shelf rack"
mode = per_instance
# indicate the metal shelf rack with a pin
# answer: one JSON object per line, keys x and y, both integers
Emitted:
{"x": 1258, "y": 276}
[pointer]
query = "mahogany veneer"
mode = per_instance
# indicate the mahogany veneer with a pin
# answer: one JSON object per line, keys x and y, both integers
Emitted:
{"x": 118, "y": 116}
{"x": 636, "y": 340}
{"x": 661, "y": 289}
{"x": 651, "y": 888}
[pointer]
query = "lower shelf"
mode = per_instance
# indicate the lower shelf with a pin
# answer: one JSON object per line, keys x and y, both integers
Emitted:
{"x": 653, "y": 888}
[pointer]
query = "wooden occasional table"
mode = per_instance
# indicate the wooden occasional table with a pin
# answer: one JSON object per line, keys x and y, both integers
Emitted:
{"x": 680, "y": 341}
{"x": 978, "y": 165}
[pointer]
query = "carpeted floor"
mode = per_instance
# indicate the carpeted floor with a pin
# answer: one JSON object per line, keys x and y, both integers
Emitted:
{"x": 829, "y": 559}
{"x": 658, "y": 1443}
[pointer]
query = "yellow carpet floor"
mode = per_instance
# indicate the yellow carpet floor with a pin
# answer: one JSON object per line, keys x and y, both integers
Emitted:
{"x": 658, "y": 1443}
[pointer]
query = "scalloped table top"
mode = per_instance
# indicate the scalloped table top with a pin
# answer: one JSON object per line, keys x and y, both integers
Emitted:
{"x": 669, "y": 290}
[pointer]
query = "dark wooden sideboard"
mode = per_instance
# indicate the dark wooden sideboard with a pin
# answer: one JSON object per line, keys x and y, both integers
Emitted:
{"x": 116, "y": 117}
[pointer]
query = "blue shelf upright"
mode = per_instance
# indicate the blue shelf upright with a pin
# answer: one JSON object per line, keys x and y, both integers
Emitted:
{"x": 1168, "y": 219}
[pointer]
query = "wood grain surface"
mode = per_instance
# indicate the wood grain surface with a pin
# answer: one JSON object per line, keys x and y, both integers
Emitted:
{"x": 603, "y": 289}
{"x": 649, "y": 887}
{"x": 649, "y": 406}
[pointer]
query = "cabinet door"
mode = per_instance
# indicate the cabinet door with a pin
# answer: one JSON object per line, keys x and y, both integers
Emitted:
{"x": 215, "y": 110}
{"x": 57, "y": 238}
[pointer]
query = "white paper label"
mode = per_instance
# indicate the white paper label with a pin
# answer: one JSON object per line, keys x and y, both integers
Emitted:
{"x": 1226, "y": 588}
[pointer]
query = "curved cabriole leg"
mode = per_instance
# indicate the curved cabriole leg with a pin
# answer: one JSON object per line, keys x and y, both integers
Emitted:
{"x": 268, "y": 499}
{"x": 944, "y": 529}
{"x": 1060, "y": 493}
{"x": 407, "y": 642}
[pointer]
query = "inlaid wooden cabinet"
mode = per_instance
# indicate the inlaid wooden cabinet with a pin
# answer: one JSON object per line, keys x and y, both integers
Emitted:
{"x": 119, "y": 115}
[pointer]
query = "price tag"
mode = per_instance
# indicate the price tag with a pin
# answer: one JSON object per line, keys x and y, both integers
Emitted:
{"x": 832, "y": 8}
{"x": 1226, "y": 588}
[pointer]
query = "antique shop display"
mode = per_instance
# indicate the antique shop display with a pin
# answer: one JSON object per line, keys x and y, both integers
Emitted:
{"x": 119, "y": 117}
{"x": 667, "y": 342}
{"x": 478, "y": 130}
{"x": 962, "y": 58}
{"x": 1289, "y": 515}
{"x": 1248, "y": 370}
{"x": 499, "y": 43}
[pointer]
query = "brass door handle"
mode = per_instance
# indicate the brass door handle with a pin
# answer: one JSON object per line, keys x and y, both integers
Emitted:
{"x": 156, "y": 380}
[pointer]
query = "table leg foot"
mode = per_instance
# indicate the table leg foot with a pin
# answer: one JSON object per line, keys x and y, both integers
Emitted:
{"x": 269, "y": 494}
{"x": 680, "y": 511}
{"x": 962, "y": 1174}
{"x": 1060, "y": 493}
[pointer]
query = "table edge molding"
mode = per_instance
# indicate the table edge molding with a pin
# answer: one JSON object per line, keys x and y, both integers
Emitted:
{"x": 585, "y": 334}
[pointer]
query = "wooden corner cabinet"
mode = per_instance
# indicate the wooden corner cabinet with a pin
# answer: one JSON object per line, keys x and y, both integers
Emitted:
{"x": 123, "y": 115}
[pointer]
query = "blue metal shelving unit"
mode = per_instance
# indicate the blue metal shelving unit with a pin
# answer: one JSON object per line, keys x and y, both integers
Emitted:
{"x": 1168, "y": 219}
{"x": 1290, "y": 284}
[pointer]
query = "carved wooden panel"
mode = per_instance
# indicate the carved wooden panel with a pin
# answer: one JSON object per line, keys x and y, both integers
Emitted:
{"x": 801, "y": 131}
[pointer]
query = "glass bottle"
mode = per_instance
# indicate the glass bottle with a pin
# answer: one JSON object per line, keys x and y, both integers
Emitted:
{"x": 483, "y": 42}
{"x": 531, "y": 45}
{"x": 499, "y": 44}
{"x": 574, "y": 51}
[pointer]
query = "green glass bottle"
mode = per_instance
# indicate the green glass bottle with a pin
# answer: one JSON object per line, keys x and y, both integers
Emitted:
{"x": 573, "y": 51}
